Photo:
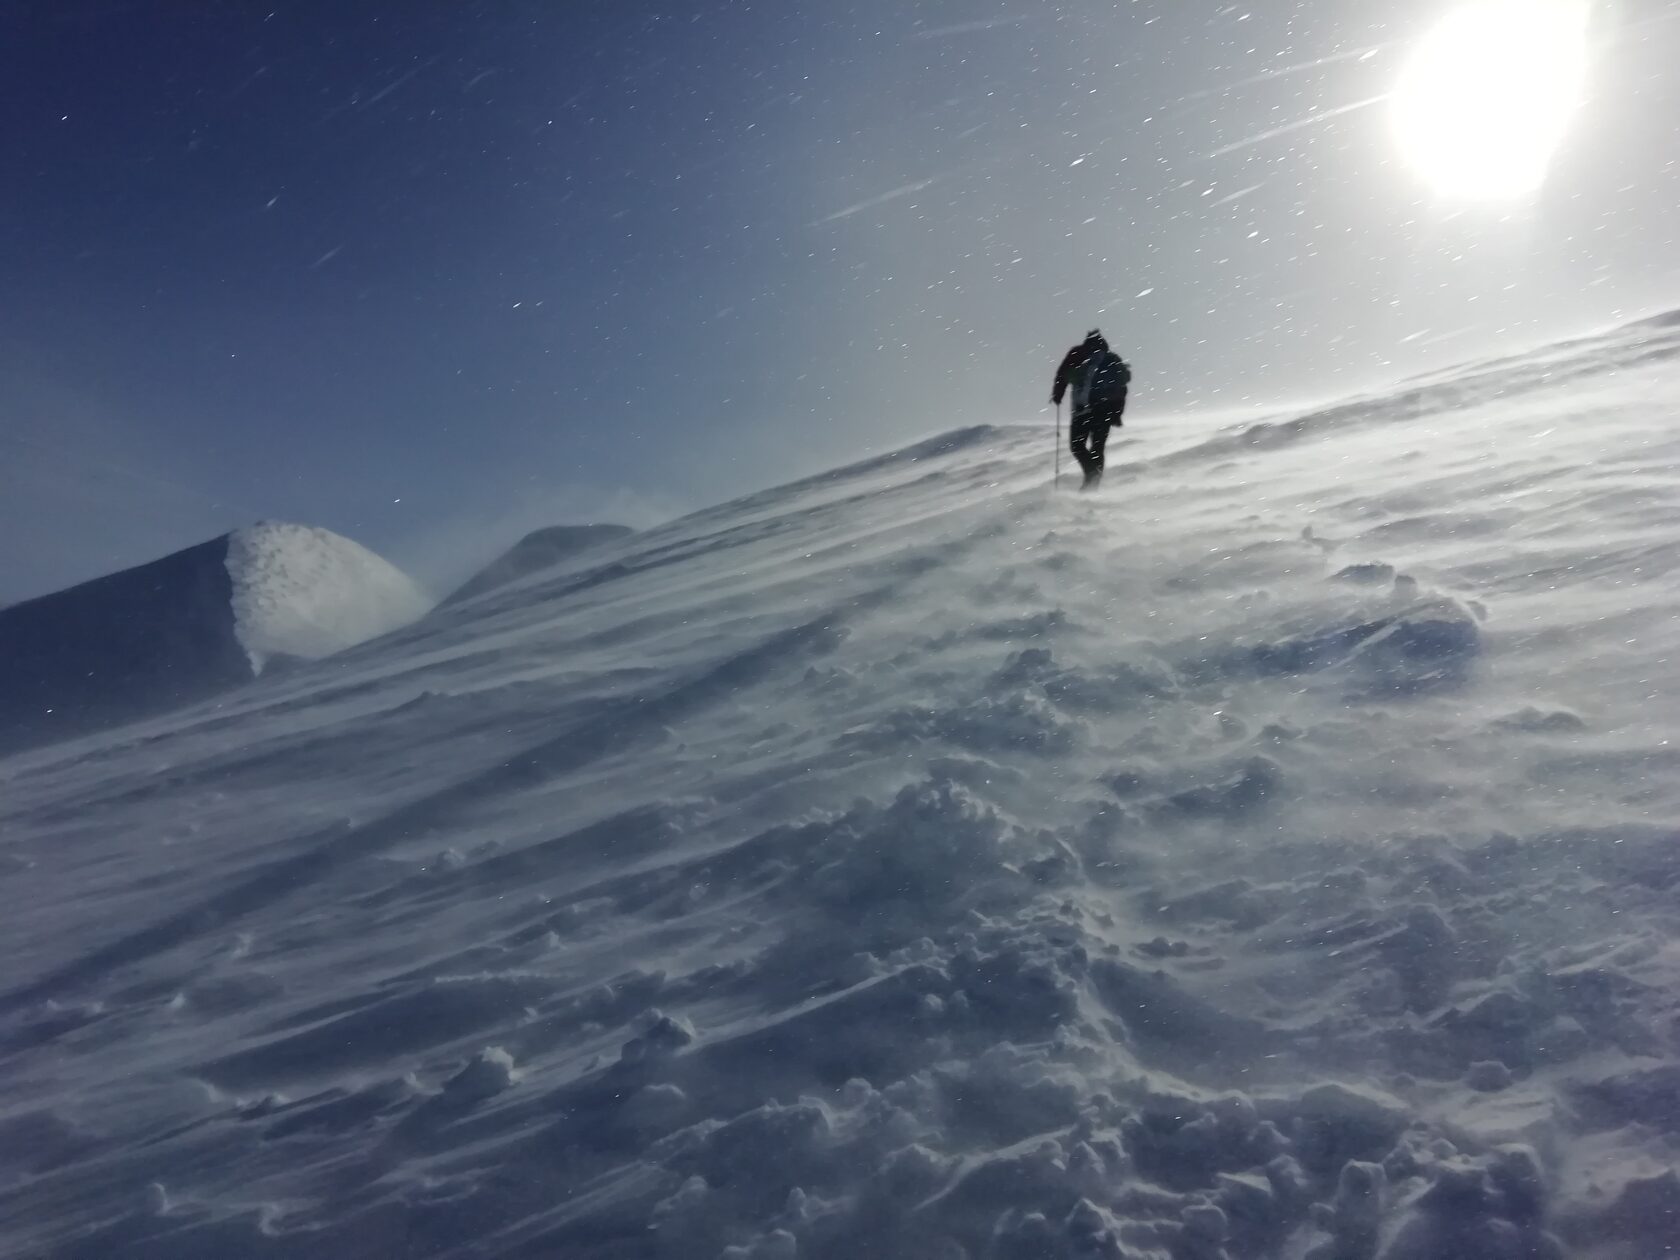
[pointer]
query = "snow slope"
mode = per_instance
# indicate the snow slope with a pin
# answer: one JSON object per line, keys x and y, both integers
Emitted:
{"x": 192, "y": 624}
{"x": 1272, "y": 855}
{"x": 106, "y": 651}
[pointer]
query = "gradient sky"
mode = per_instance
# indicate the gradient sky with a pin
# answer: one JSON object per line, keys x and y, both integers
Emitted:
{"x": 431, "y": 275}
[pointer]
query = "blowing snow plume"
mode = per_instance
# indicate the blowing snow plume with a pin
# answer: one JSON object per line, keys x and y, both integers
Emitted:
{"x": 185, "y": 627}
{"x": 1271, "y": 854}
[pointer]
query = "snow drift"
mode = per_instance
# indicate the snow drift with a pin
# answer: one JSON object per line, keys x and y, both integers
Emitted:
{"x": 1271, "y": 856}
{"x": 192, "y": 624}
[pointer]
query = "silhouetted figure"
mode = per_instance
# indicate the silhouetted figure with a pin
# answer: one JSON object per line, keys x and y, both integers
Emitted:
{"x": 1098, "y": 379}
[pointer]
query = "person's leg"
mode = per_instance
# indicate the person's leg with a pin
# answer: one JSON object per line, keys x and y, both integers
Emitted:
{"x": 1079, "y": 437}
{"x": 1098, "y": 440}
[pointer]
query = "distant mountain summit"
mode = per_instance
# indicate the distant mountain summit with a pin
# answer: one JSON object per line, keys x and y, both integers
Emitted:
{"x": 538, "y": 550}
{"x": 307, "y": 593}
{"x": 176, "y": 630}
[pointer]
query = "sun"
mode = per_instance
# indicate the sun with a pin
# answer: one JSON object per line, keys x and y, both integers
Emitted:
{"x": 1485, "y": 96}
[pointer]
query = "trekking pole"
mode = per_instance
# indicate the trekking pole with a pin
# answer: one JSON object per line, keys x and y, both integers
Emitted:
{"x": 1058, "y": 446}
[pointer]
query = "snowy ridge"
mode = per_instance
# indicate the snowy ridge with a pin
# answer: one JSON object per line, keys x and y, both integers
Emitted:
{"x": 307, "y": 593}
{"x": 1271, "y": 856}
{"x": 541, "y": 549}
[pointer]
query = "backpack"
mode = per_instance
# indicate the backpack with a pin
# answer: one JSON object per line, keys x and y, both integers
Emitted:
{"x": 1101, "y": 381}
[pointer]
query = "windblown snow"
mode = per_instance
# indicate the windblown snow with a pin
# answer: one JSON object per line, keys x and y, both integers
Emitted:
{"x": 1272, "y": 855}
{"x": 307, "y": 593}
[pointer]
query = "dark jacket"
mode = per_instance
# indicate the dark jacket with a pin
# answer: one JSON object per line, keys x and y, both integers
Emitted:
{"x": 1098, "y": 377}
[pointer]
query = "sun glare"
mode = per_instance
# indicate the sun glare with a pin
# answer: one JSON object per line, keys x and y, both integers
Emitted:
{"x": 1484, "y": 98}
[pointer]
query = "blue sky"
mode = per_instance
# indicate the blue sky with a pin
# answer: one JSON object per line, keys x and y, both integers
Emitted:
{"x": 432, "y": 275}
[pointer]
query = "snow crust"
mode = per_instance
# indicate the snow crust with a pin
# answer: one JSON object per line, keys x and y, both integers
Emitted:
{"x": 1270, "y": 856}
{"x": 306, "y": 593}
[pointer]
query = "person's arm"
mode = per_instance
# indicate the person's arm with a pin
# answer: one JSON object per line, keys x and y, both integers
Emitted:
{"x": 1062, "y": 374}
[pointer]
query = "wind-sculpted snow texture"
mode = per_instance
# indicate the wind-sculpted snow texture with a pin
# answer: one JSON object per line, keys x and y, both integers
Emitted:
{"x": 1271, "y": 856}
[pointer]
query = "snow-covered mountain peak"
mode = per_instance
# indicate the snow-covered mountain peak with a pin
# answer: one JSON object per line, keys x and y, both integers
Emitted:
{"x": 304, "y": 592}
{"x": 189, "y": 626}
{"x": 538, "y": 550}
